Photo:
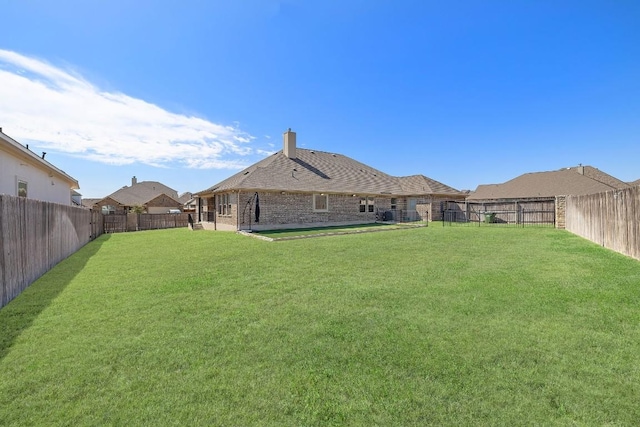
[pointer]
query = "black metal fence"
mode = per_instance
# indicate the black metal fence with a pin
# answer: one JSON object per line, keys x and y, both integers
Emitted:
{"x": 531, "y": 213}
{"x": 401, "y": 215}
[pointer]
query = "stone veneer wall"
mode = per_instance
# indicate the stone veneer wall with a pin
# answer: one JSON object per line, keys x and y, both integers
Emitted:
{"x": 561, "y": 211}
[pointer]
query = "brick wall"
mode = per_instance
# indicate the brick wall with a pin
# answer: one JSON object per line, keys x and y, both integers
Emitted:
{"x": 296, "y": 209}
{"x": 162, "y": 204}
{"x": 278, "y": 210}
{"x": 229, "y": 221}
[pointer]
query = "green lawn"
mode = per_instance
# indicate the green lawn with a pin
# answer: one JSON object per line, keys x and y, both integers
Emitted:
{"x": 427, "y": 326}
{"x": 344, "y": 229}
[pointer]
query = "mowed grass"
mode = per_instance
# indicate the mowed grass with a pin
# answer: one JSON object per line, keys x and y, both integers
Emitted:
{"x": 344, "y": 229}
{"x": 428, "y": 326}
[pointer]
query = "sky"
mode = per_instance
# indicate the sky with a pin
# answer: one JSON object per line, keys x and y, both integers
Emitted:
{"x": 188, "y": 93}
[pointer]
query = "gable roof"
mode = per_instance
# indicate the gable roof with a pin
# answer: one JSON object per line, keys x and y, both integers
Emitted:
{"x": 141, "y": 193}
{"x": 18, "y": 150}
{"x": 89, "y": 202}
{"x": 319, "y": 171}
{"x": 568, "y": 181}
{"x": 185, "y": 197}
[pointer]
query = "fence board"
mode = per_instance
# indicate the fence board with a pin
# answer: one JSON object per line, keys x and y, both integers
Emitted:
{"x": 611, "y": 219}
{"x": 35, "y": 236}
{"x": 507, "y": 212}
{"x": 118, "y": 223}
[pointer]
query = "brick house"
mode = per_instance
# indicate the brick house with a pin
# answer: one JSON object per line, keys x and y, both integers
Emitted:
{"x": 152, "y": 196}
{"x": 301, "y": 188}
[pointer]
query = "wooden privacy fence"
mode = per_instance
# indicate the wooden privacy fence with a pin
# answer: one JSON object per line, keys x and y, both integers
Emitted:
{"x": 35, "y": 236}
{"x": 538, "y": 211}
{"x": 118, "y": 223}
{"x": 611, "y": 219}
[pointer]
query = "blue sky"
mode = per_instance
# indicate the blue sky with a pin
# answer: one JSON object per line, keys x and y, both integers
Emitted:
{"x": 185, "y": 93}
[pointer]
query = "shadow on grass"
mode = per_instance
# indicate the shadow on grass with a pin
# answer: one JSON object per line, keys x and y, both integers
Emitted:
{"x": 303, "y": 233}
{"x": 19, "y": 314}
{"x": 320, "y": 229}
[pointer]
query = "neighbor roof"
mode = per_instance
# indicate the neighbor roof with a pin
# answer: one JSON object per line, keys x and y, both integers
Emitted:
{"x": 141, "y": 193}
{"x": 88, "y": 203}
{"x": 314, "y": 171}
{"x": 600, "y": 176}
{"x": 185, "y": 197}
{"x": 568, "y": 181}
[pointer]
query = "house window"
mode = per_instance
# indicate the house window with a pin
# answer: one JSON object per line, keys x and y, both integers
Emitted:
{"x": 321, "y": 202}
{"x": 108, "y": 210}
{"x": 22, "y": 188}
{"x": 394, "y": 203}
{"x": 224, "y": 204}
{"x": 366, "y": 204}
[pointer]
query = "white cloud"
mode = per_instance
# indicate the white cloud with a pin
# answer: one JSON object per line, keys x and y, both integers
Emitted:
{"x": 59, "y": 110}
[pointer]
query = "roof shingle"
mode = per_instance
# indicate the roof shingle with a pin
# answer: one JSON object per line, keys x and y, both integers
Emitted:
{"x": 314, "y": 171}
{"x": 567, "y": 181}
{"x": 141, "y": 193}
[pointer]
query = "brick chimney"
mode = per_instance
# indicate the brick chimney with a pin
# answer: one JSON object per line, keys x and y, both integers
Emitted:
{"x": 134, "y": 181}
{"x": 289, "y": 139}
{"x": 580, "y": 169}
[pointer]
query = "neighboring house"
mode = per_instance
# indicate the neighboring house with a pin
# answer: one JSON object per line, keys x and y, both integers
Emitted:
{"x": 534, "y": 197}
{"x": 572, "y": 181}
{"x": 299, "y": 188}
{"x": 188, "y": 202}
{"x": 89, "y": 203}
{"x": 26, "y": 174}
{"x": 151, "y": 196}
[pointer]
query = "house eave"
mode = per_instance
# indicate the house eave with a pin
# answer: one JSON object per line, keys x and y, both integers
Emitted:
{"x": 16, "y": 149}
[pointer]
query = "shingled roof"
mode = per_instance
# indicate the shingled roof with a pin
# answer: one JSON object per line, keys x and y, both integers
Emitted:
{"x": 140, "y": 193}
{"x": 569, "y": 181}
{"x": 319, "y": 171}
